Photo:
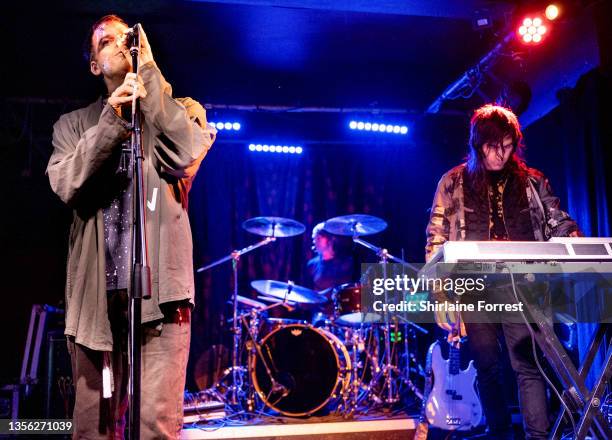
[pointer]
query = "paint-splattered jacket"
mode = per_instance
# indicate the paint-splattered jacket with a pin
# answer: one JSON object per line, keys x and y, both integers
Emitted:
{"x": 447, "y": 217}
{"x": 175, "y": 139}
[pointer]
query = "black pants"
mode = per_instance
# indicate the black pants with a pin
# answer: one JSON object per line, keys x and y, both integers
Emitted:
{"x": 483, "y": 340}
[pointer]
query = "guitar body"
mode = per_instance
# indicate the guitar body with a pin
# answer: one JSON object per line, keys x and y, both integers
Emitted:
{"x": 453, "y": 404}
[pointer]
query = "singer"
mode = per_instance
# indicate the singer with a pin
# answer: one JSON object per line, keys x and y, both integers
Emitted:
{"x": 91, "y": 171}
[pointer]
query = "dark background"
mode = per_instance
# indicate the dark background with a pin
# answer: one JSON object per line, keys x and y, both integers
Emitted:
{"x": 389, "y": 59}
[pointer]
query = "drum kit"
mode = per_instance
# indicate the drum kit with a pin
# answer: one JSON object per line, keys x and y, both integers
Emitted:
{"x": 344, "y": 361}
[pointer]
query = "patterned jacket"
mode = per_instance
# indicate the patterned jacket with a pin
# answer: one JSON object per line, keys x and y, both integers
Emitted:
{"x": 447, "y": 217}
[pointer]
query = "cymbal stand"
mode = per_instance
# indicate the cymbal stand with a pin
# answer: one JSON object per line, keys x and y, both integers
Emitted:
{"x": 351, "y": 396}
{"x": 234, "y": 256}
{"x": 255, "y": 350}
{"x": 387, "y": 367}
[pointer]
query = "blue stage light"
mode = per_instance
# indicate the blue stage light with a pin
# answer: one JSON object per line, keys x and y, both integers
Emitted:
{"x": 229, "y": 126}
{"x": 377, "y": 127}
{"x": 283, "y": 149}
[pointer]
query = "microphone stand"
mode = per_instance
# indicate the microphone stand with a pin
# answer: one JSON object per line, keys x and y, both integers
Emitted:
{"x": 141, "y": 271}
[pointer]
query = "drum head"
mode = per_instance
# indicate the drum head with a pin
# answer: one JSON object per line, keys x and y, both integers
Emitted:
{"x": 304, "y": 362}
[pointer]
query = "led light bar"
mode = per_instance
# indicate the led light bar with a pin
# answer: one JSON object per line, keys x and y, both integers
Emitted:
{"x": 378, "y": 127}
{"x": 283, "y": 149}
{"x": 229, "y": 126}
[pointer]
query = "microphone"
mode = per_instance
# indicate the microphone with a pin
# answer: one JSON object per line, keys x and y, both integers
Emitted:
{"x": 133, "y": 30}
{"x": 133, "y": 38}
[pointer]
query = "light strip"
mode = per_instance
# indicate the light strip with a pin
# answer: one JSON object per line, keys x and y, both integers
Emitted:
{"x": 283, "y": 149}
{"x": 229, "y": 126}
{"x": 378, "y": 127}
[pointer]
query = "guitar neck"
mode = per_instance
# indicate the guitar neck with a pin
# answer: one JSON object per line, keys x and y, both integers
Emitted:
{"x": 454, "y": 360}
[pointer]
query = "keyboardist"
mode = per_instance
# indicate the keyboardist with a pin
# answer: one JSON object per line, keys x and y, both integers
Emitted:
{"x": 494, "y": 195}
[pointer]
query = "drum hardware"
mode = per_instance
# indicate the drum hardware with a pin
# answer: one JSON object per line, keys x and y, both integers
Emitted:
{"x": 356, "y": 225}
{"x": 270, "y": 228}
{"x": 254, "y": 351}
{"x": 342, "y": 361}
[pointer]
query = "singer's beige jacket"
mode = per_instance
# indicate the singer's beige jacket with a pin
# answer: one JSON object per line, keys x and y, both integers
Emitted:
{"x": 87, "y": 143}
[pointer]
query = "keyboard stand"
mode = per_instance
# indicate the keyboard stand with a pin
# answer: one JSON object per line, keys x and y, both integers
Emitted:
{"x": 576, "y": 395}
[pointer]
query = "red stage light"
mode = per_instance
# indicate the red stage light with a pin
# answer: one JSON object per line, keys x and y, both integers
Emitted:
{"x": 532, "y": 30}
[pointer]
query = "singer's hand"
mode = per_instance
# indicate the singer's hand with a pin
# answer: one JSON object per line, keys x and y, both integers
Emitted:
{"x": 125, "y": 92}
{"x": 146, "y": 55}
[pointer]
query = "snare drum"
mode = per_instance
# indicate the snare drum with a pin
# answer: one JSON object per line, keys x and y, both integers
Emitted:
{"x": 311, "y": 366}
{"x": 347, "y": 306}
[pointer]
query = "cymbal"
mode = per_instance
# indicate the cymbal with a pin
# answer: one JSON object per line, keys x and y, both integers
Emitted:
{"x": 250, "y": 302}
{"x": 273, "y": 226}
{"x": 355, "y": 224}
{"x": 279, "y": 289}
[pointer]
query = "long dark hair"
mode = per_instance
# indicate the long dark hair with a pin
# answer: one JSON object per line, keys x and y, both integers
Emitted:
{"x": 491, "y": 124}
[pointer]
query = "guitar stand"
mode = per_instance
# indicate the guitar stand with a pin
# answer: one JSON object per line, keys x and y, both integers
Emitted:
{"x": 576, "y": 395}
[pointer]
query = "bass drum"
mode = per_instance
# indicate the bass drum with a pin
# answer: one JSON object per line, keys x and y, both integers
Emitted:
{"x": 310, "y": 365}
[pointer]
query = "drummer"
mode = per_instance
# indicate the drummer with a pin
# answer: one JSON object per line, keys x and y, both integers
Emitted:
{"x": 333, "y": 263}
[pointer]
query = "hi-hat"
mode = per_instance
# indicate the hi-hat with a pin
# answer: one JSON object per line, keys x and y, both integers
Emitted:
{"x": 355, "y": 225}
{"x": 288, "y": 291}
{"x": 273, "y": 226}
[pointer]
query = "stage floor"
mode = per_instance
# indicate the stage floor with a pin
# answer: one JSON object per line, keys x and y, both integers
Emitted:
{"x": 369, "y": 427}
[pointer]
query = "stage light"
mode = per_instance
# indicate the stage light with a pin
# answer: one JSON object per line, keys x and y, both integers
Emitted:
{"x": 552, "y": 12}
{"x": 377, "y": 127}
{"x": 283, "y": 149}
{"x": 228, "y": 126}
{"x": 532, "y": 30}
